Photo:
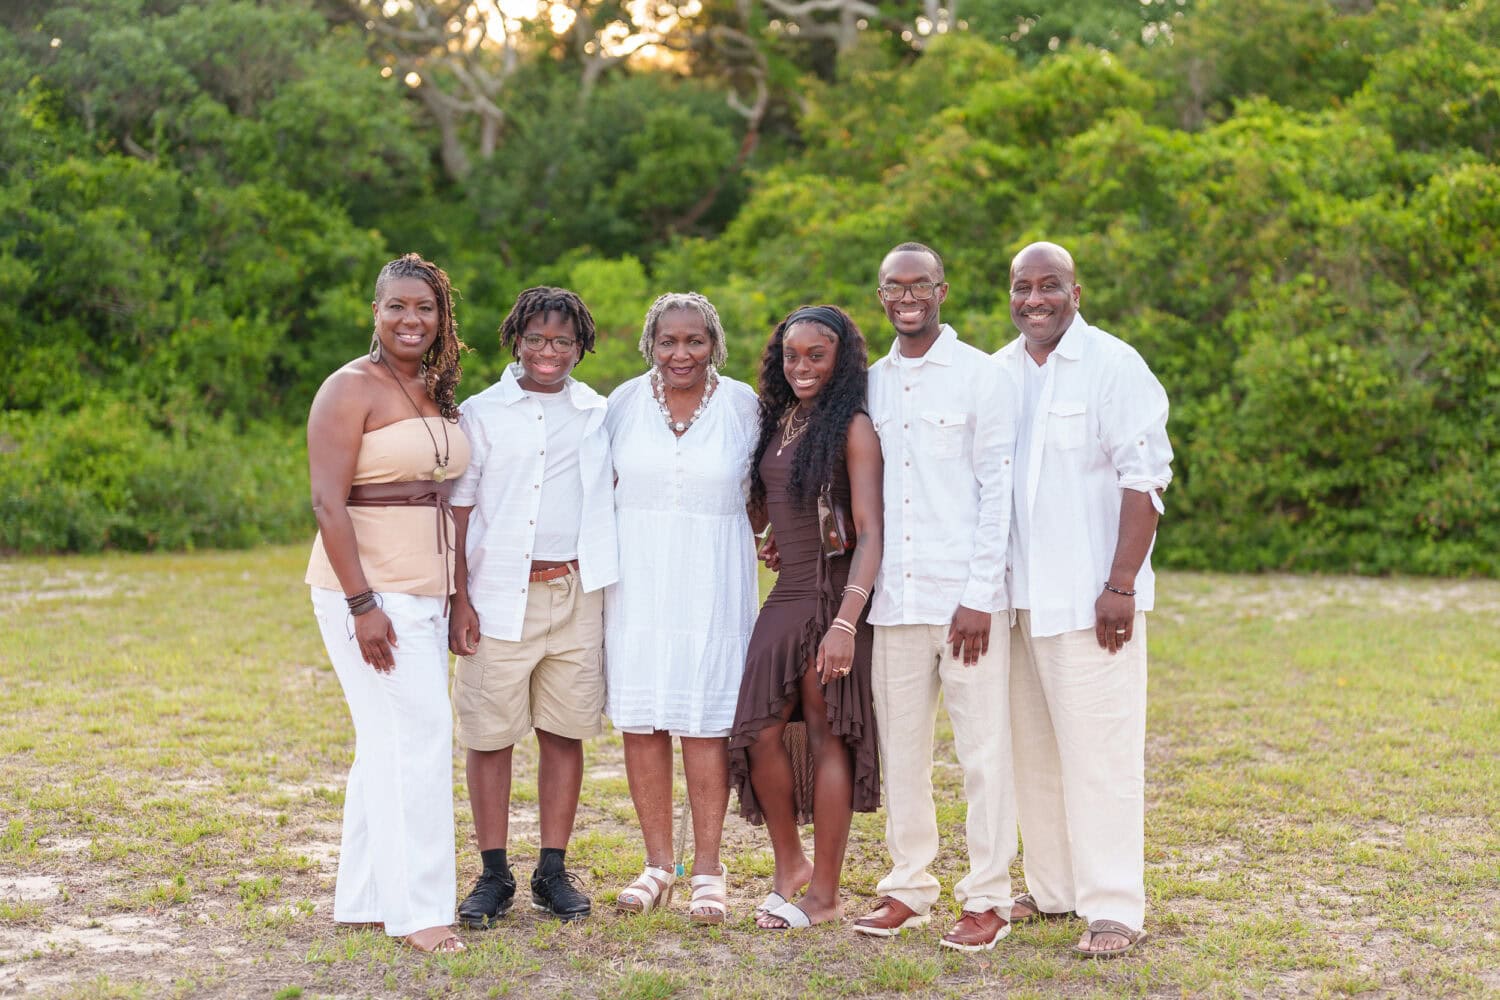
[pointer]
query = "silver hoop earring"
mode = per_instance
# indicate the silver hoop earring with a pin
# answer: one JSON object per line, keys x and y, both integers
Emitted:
{"x": 375, "y": 347}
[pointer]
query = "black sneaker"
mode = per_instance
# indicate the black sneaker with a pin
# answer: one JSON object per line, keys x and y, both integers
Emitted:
{"x": 490, "y": 899}
{"x": 557, "y": 893}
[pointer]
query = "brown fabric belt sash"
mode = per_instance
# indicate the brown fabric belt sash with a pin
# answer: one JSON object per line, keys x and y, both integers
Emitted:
{"x": 417, "y": 493}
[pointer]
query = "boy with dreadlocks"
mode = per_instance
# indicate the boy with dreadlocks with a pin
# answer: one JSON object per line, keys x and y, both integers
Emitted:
{"x": 535, "y": 524}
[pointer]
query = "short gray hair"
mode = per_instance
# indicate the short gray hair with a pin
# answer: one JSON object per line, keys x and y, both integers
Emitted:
{"x": 689, "y": 302}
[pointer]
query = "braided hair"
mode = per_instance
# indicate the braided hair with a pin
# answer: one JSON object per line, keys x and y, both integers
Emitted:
{"x": 843, "y": 395}
{"x": 540, "y": 301}
{"x": 441, "y": 368}
{"x": 687, "y": 302}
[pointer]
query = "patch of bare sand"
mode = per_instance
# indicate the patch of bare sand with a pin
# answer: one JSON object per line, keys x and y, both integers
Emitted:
{"x": 29, "y": 887}
{"x": 1285, "y": 597}
{"x": 18, "y": 589}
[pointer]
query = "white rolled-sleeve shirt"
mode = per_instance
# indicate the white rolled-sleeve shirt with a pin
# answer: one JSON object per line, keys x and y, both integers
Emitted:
{"x": 1099, "y": 428}
{"x": 946, "y": 423}
{"x": 507, "y": 432}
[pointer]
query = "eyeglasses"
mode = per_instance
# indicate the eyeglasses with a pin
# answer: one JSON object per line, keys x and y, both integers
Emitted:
{"x": 920, "y": 290}
{"x": 536, "y": 342}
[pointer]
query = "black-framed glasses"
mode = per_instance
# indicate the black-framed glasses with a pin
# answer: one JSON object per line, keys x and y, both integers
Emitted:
{"x": 920, "y": 290}
{"x": 535, "y": 342}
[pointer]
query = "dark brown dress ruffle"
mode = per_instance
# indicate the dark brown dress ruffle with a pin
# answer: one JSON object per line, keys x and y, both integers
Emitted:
{"x": 785, "y": 641}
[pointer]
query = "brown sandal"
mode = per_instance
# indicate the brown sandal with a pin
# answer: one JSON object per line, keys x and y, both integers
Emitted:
{"x": 1037, "y": 913}
{"x": 446, "y": 944}
{"x": 1132, "y": 938}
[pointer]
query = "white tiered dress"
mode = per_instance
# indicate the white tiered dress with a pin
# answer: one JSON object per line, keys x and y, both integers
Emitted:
{"x": 678, "y": 622}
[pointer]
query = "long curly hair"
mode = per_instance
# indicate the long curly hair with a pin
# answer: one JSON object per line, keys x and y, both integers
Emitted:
{"x": 539, "y": 301}
{"x": 442, "y": 367}
{"x": 843, "y": 396}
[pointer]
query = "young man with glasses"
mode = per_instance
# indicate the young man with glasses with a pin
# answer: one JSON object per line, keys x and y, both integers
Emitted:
{"x": 946, "y": 418}
{"x": 535, "y": 524}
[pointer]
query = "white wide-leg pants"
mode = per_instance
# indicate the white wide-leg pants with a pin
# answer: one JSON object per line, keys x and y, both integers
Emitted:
{"x": 910, "y": 665}
{"x": 396, "y": 863}
{"x": 1078, "y": 717}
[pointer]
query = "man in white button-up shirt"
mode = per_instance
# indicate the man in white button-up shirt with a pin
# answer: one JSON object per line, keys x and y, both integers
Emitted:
{"x": 1092, "y": 458}
{"x": 946, "y": 419}
{"x": 535, "y": 521}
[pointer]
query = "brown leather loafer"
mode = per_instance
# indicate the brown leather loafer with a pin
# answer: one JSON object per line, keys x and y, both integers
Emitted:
{"x": 889, "y": 918}
{"x": 976, "y": 931}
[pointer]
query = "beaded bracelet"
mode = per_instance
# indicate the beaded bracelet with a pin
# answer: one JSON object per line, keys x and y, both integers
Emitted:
{"x": 1117, "y": 590}
{"x": 361, "y": 603}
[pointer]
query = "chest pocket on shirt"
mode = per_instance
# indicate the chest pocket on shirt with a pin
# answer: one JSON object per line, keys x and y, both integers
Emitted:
{"x": 943, "y": 434}
{"x": 1067, "y": 425}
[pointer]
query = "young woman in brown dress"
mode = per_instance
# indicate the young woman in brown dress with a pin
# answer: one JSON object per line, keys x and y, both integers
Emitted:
{"x": 809, "y": 657}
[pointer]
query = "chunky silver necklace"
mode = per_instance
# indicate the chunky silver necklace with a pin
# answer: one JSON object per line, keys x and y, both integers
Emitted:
{"x": 659, "y": 390}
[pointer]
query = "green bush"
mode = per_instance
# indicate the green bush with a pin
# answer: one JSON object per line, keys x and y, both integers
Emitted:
{"x": 115, "y": 475}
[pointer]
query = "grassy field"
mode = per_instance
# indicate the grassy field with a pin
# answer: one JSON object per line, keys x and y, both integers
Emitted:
{"x": 1322, "y": 811}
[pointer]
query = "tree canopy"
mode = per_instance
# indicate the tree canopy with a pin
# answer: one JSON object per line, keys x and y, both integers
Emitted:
{"x": 1289, "y": 207}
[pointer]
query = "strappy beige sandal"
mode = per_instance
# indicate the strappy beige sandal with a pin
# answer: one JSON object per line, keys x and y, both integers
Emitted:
{"x": 652, "y": 888}
{"x": 711, "y": 893}
{"x": 1132, "y": 938}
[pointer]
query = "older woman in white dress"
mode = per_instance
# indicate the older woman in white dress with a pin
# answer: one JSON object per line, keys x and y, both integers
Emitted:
{"x": 678, "y": 623}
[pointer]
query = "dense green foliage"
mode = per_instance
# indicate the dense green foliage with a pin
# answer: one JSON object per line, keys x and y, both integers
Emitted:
{"x": 1289, "y": 207}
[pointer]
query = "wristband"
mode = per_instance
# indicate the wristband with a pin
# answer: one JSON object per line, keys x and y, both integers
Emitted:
{"x": 1117, "y": 590}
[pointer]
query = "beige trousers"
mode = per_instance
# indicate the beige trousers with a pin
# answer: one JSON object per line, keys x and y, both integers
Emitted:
{"x": 1078, "y": 717}
{"x": 911, "y": 665}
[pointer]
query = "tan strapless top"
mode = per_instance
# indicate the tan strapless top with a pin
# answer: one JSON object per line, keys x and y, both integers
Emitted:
{"x": 397, "y": 545}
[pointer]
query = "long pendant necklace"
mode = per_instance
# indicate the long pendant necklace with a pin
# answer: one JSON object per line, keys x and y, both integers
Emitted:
{"x": 440, "y": 470}
{"x": 790, "y": 429}
{"x": 659, "y": 391}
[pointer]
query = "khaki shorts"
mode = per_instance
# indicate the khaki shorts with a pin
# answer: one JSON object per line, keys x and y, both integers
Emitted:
{"x": 551, "y": 679}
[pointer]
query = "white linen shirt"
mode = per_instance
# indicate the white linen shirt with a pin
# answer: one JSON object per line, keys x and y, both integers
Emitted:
{"x": 947, "y": 427}
{"x": 507, "y": 431}
{"x": 1100, "y": 428}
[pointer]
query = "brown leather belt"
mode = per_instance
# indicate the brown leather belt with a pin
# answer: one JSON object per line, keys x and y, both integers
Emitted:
{"x": 416, "y": 493}
{"x": 554, "y": 573}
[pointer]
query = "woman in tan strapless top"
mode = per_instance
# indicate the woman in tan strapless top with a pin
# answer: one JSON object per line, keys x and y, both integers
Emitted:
{"x": 383, "y": 447}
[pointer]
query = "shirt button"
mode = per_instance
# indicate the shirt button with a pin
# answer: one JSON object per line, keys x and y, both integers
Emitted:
{"x": 908, "y": 388}
{"x": 526, "y": 556}
{"x": 1005, "y": 461}
{"x": 905, "y": 426}
{"x": 908, "y": 576}
{"x": 531, "y": 522}
{"x": 539, "y": 416}
{"x": 908, "y": 538}
{"x": 542, "y": 452}
{"x": 908, "y": 464}
{"x": 908, "y": 499}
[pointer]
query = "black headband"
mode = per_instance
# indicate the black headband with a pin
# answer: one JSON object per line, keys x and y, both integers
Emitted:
{"x": 823, "y": 315}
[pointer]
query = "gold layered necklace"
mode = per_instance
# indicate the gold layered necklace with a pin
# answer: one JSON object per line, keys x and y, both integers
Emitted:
{"x": 791, "y": 430}
{"x": 440, "y": 469}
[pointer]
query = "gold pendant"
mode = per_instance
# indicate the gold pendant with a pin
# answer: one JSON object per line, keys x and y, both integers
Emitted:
{"x": 439, "y": 473}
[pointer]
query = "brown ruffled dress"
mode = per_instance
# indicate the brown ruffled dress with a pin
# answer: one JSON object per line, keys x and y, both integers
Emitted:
{"x": 791, "y": 624}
